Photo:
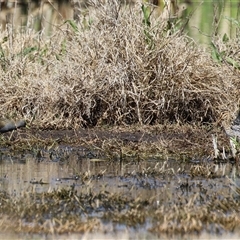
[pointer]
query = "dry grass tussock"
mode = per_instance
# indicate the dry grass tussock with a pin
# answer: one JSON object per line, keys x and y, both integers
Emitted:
{"x": 112, "y": 69}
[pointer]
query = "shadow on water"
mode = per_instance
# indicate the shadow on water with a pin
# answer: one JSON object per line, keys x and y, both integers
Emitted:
{"x": 154, "y": 185}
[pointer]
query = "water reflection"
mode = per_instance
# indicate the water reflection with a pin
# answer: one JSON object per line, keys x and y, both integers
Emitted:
{"x": 27, "y": 173}
{"x": 154, "y": 188}
{"x": 156, "y": 179}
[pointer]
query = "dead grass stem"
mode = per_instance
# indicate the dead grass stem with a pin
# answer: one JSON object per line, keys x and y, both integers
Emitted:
{"x": 106, "y": 71}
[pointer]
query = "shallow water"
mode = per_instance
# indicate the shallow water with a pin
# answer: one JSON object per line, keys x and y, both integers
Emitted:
{"x": 24, "y": 173}
{"x": 156, "y": 180}
{"x": 19, "y": 173}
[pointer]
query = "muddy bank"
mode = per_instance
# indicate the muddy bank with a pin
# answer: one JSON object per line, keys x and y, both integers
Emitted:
{"x": 171, "y": 140}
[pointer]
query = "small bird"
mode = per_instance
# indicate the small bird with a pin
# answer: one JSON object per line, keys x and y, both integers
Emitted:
{"x": 7, "y": 125}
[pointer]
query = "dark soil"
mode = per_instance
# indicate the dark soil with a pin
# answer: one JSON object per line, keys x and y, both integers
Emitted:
{"x": 173, "y": 139}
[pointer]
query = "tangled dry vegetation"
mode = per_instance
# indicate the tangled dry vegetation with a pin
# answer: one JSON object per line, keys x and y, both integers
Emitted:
{"x": 113, "y": 68}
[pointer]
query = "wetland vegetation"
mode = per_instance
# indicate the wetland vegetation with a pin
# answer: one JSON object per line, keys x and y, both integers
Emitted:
{"x": 126, "y": 117}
